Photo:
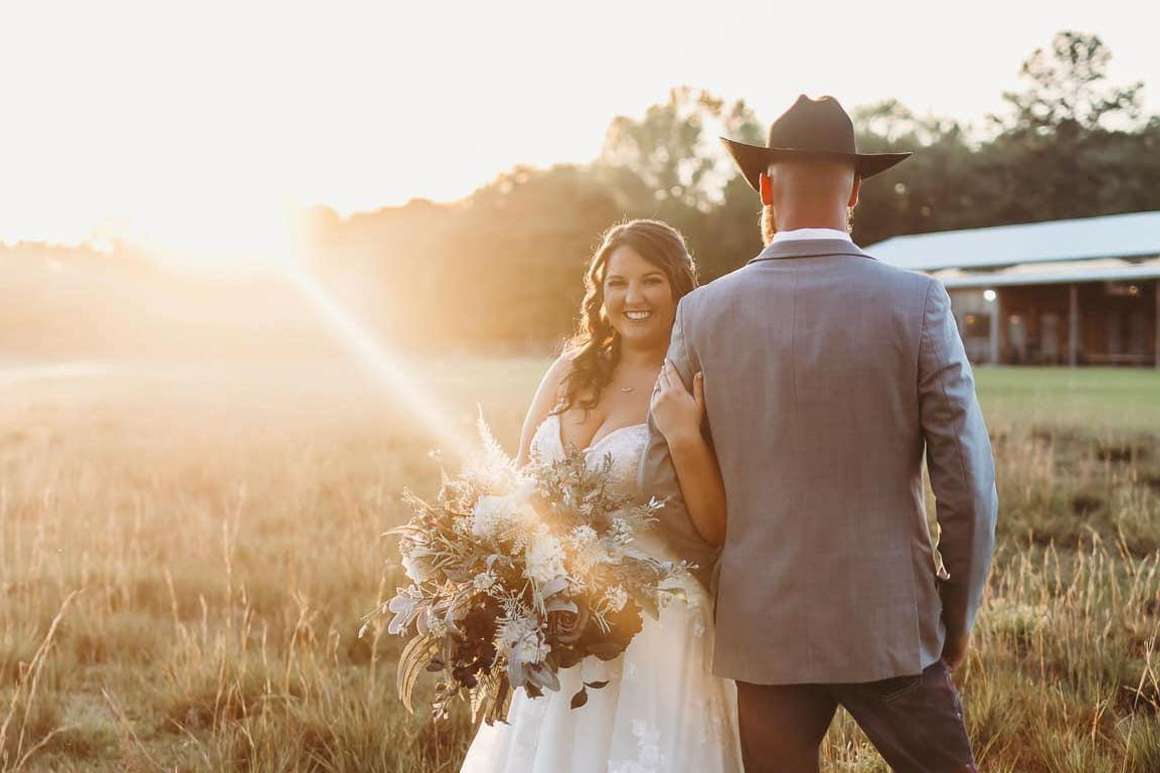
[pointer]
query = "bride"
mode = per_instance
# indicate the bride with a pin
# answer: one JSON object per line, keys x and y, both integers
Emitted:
{"x": 662, "y": 709}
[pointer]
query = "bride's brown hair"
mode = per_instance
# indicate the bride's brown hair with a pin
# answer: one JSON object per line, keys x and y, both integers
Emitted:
{"x": 594, "y": 350}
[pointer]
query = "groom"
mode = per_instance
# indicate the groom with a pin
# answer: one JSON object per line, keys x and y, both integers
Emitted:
{"x": 828, "y": 375}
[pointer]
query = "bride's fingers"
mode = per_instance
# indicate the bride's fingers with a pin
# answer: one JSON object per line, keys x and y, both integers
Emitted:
{"x": 658, "y": 390}
{"x": 699, "y": 390}
{"x": 671, "y": 377}
{"x": 675, "y": 377}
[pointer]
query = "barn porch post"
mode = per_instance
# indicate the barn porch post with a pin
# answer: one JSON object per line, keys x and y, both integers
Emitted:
{"x": 996, "y": 312}
{"x": 1073, "y": 325}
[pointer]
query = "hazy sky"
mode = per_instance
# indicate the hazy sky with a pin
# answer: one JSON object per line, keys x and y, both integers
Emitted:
{"x": 197, "y": 124}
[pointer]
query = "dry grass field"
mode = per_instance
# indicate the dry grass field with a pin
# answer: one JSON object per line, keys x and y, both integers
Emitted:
{"x": 185, "y": 555}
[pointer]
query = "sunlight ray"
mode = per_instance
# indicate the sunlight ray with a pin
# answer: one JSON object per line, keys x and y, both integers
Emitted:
{"x": 387, "y": 367}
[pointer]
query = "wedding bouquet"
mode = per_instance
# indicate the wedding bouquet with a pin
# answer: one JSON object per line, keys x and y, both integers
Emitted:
{"x": 517, "y": 573}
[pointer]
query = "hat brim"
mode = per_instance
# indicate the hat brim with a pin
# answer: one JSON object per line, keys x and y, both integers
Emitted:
{"x": 752, "y": 160}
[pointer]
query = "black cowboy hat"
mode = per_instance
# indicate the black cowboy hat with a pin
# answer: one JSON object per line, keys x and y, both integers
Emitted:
{"x": 811, "y": 128}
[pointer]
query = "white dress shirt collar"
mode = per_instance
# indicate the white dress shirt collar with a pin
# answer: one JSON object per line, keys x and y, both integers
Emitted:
{"x": 810, "y": 233}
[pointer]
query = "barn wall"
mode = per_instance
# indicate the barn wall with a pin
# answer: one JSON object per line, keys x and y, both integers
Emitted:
{"x": 1118, "y": 323}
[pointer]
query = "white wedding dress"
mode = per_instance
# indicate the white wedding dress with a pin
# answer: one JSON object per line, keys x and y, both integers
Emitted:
{"x": 663, "y": 711}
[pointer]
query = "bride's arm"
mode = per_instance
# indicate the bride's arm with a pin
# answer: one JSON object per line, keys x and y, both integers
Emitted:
{"x": 542, "y": 403}
{"x": 679, "y": 416}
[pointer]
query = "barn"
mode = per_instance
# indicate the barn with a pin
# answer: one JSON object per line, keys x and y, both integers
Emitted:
{"x": 1063, "y": 292}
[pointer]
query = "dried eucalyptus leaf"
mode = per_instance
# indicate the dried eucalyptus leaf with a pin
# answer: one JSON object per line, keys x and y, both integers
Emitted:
{"x": 412, "y": 663}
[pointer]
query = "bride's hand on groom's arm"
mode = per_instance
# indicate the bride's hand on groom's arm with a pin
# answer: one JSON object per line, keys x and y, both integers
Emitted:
{"x": 678, "y": 413}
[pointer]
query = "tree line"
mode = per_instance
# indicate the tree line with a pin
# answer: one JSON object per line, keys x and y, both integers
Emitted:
{"x": 502, "y": 267}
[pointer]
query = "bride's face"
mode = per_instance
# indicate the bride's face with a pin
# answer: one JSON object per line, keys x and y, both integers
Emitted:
{"x": 638, "y": 299}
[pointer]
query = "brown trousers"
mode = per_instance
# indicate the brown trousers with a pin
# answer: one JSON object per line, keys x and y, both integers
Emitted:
{"x": 915, "y": 722}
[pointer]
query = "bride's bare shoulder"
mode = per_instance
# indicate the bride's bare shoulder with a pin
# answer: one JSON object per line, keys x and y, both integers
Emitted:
{"x": 547, "y": 396}
{"x": 551, "y": 386}
{"x": 559, "y": 369}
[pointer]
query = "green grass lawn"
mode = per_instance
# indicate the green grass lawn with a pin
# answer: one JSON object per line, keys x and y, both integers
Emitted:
{"x": 1094, "y": 399}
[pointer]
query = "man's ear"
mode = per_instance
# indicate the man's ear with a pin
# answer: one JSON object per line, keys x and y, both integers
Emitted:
{"x": 855, "y": 191}
{"x": 766, "y": 185}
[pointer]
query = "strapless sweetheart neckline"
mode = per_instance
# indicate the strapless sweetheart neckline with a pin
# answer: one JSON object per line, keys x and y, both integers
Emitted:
{"x": 595, "y": 444}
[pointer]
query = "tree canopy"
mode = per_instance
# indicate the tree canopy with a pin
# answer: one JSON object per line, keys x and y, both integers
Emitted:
{"x": 504, "y": 265}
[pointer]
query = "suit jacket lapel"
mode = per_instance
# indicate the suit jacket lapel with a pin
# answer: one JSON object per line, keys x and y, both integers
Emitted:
{"x": 810, "y": 248}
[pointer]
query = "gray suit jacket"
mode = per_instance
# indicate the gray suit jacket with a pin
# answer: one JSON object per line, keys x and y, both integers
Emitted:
{"x": 827, "y": 376}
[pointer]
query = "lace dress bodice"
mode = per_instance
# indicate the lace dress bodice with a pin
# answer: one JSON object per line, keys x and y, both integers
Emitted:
{"x": 624, "y": 444}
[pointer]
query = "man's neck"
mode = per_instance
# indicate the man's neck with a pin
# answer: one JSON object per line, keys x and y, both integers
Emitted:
{"x": 794, "y": 224}
{"x": 791, "y": 220}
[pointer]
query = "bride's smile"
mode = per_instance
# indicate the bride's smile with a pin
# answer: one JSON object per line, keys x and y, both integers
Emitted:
{"x": 638, "y": 299}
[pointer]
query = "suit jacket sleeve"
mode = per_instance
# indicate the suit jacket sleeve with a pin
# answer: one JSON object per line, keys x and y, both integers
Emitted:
{"x": 658, "y": 477}
{"x": 958, "y": 457}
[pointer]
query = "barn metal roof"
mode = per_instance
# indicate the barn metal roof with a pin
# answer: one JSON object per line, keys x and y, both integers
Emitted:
{"x": 1062, "y": 272}
{"x": 1108, "y": 236}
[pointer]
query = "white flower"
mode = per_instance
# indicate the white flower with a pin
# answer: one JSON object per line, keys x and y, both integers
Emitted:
{"x": 435, "y": 624}
{"x": 519, "y": 639}
{"x": 588, "y": 550}
{"x": 544, "y": 558}
{"x": 523, "y": 515}
{"x": 489, "y": 517}
{"x": 525, "y": 487}
{"x": 405, "y": 606}
{"x": 615, "y": 597}
{"x": 484, "y": 581}
{"x": 414, "y": 562}
{"x": 621, "y": 531}
{"x": 583, "y": 535}
{"x": 493, "y": 516}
